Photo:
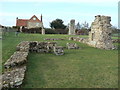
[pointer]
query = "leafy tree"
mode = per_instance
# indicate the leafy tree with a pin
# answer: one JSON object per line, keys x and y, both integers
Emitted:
{"x": 114, "y": 29}
{"x": 57, "y": 24}
{"x": 85, "y": 25}
{"x": 78, "y": 26}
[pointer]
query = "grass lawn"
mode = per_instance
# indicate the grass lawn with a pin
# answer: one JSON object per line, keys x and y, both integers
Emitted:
{"x": 82, "y": 68}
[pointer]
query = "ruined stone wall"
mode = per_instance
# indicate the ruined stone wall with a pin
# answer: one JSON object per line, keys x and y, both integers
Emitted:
{"x": 72, "y": 27}
{"x": 100, "y": 35}
{"x": 15, "y": 66}
{"x": 79, "y": 39}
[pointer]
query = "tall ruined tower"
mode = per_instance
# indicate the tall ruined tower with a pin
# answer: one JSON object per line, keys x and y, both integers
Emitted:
{"x": 100, "y": 35}
{"x": 72, "y": 27}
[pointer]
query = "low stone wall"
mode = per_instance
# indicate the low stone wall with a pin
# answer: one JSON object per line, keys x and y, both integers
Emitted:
{"x": 72, "y": 46}
{"x": 86, "y": 41}
{"x": 54, "y": 39}
{"x": 78, "y": 39}
{"x": 15, "y": 66}
{"x": 41, "y": 47}
{"x": 17, "y": 59}
{"x": 23, "y": 46}
{"x": 116, "y": 40}
{"x": 14, "y": 78}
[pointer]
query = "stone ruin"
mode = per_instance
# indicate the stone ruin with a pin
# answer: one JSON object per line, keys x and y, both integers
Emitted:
{"x": 15, "y": 66}
{"x": 72, "y": 46}
{"x": 79, "y": 39}
{"x": 14, "y": 78}
{"x": 23, "y": 46}
{"x": 116, "y": 40}
{"x": 58, "y": 50}
{"x": 17, "y": 59}
{"x": 43, "y": 31}
{"x": 100, "y": 35}
{"x": 53, "y": 39}
{"x": 41, "y": 47}
{"x": 72, "y": 27}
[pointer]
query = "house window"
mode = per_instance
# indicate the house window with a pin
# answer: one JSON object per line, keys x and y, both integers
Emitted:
{"x": 34, "y": 18}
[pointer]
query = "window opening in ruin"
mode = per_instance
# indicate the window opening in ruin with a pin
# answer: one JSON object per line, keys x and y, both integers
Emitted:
{"x": 92, "y": 36}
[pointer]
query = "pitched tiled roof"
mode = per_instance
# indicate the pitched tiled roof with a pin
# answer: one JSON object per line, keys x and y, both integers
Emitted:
{"x": 31, "y": 19}
{"x": 21, "y": 22}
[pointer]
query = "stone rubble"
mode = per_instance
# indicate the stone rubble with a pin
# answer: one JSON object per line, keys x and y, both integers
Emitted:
{"x": 17, "y": 59}
{"x": 53, "y": 39}
{"x": 14, "y": 78}
{"x": 41, "y": 47}
{"x": 58, "y": 50}
{"x": 116, "y": 40}
{"x": 79, "y": 39}
{"x": 23, "y": 46}
{"x": 72, "y": 46}
{"x": 15, "y": 67}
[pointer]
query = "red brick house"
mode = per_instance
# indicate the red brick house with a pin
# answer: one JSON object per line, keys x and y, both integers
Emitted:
{"x": 33, "y": 22}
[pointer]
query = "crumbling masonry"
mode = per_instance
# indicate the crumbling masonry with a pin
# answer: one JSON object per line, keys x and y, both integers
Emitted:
{"x": 72, "y": 27}
{"x": 100, "y": 35}
{"x": 15, "y": 66}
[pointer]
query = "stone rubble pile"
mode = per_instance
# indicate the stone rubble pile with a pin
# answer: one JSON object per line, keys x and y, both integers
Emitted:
{"x": 116, "y": 40}
{"x": 79, "y": 39}
{"x": 58, "y": 50}
{"x": 41, "y": 47}
{"x": 17, "y": 59}
{"x": 72, "y": 46}
{"x": 23, "y": 46}
{"x": 14, "y": 78}
{"x": 54, "y": 39}
{"x": 15, "y": 67}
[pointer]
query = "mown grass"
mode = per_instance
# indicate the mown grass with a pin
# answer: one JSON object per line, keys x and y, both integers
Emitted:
{"x": 87, "y": 67}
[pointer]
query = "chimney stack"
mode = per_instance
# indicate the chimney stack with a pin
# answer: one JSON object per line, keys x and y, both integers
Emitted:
{"x": 41, "y": 17}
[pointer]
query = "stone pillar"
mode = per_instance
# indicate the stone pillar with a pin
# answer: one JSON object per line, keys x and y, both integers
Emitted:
{"x": 72, "y": 27}
{"x": 43, "y": 31}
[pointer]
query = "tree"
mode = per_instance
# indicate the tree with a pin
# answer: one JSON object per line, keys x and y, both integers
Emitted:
{"x": 114, "y": 29}
{"x": 78, "y": 27}
{"x": 85, "y": 25}
{"x": 57, "y": 24}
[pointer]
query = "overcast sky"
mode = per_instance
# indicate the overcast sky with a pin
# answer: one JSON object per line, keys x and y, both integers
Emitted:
{"x": 80, "y": 10}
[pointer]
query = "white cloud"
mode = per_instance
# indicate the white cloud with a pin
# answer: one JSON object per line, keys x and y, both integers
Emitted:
{"x": 73, "y": 1}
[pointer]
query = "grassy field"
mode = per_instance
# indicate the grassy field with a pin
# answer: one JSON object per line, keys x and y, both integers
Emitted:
{"x": 87, "y": 67}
